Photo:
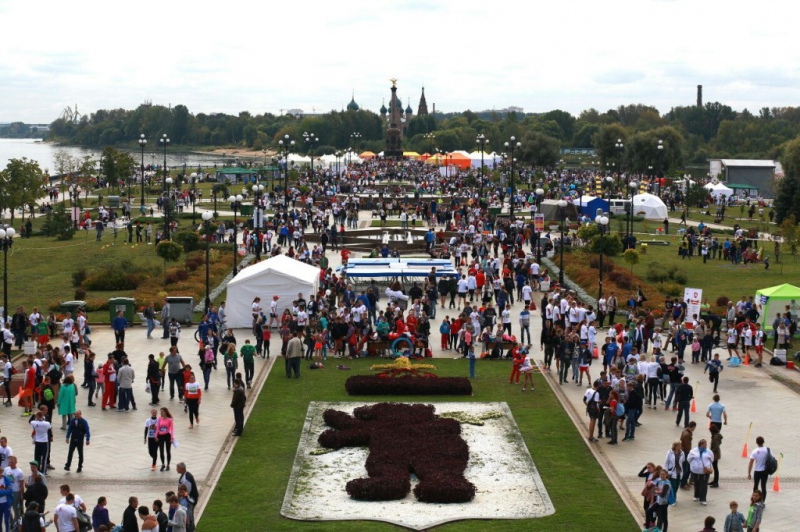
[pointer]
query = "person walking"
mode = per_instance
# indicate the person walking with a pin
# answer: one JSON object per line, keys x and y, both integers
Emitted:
{"x": 758, "y": 462}
{"x": 175, "y": 366}
{"x": 716, "y": 413}
{"x": 231, "y": 363}
{"x": 248, "y": 353}
{"x": 153, "y": 378}
{"x": 67, "y": 394}
{"x": 686, "y": 446}
{"x": 294, "y": 353}
{"x": 41, "y": 440}
{"x": 179, "y": 520}
{"x": 151, "y": 436}
{"x": 119, "y": 324}
{"x": 150, "y": 316}
{"x": 165, "y": 432}
{"x": 77, "y": 431}
{"x": 238, "y": 402}
{"x": 165, "y": 319}
{"x": 673, "y": 464}
{"x": 683, "y": 396}
{"x": 716, "y": 443}
{"x": 701, "y": 461}
{"x": 193, "y": 394}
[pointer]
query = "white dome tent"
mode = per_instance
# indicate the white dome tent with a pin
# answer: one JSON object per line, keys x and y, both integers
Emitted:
{"x": 649, "y": 206}
{"x": 718, "y": 189}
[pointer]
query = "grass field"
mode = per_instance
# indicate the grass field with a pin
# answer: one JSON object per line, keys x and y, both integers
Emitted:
{"x": 250, "y": 492}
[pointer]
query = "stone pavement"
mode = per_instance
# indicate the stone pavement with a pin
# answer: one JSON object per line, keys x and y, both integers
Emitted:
{"x": 117, "y": 463}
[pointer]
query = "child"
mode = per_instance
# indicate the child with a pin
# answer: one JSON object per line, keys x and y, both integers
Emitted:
{"x": 755, "y": 513}
{"x": 266, "y": 335}
{"x": 735, "y": 521}
{"x": 527, "y": 371}
{"x": 713, "y": 367}
{"x": 695, "y": 351}
{"x": 471, "y": 362}
{"x": 100, "y": 381}
{"x": 444, "y": 329}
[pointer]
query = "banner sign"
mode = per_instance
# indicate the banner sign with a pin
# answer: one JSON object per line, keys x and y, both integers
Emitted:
{"x": 692, "y": 297}
{"x": 538, "y": 223}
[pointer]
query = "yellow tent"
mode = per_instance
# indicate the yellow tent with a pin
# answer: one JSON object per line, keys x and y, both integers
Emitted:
{"x": 411, "y": 154}
{"x": 367, "y": 155}
{"x": 435, "y": 159}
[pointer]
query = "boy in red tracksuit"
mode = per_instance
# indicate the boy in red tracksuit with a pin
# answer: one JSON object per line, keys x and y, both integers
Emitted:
{"x": 519, "y": 358}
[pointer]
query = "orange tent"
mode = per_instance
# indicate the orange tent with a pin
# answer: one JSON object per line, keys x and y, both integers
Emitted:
{"x": 367, "y": 155}
{"x": 456, "y": 159}
{"x": 424, "y": 156}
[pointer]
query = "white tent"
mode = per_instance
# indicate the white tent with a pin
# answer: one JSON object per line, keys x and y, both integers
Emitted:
{"x": 720, "y": 190}
{"x": 475, "y": 157}
{"x": 279, "y": 276}
{"x": 649, "y": 206}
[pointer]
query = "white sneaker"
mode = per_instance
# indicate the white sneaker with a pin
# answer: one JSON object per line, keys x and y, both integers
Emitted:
{"x": 703, "y": 503}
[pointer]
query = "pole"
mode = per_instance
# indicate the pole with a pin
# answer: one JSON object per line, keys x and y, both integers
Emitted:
{"x": 208, "y": 239}
{"x": 166, "y": 198}
{"x": 600, "y": 288}
{"x": 143, "y": 174}
{"x": 511, "y": 185}
{"x": 5, "y": 283}
{"x": 235, "y": 206}
{"x": 481, "y": 192}
{"x": 561, "y": 267}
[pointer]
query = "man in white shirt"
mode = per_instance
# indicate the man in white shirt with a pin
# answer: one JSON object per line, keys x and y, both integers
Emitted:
{"x": 69, "y": 359}
{"x": 5, "y": 453}
{"x": 41, "y": 439}
{"x": 66, "y": 515}
{"x": 68, "y": 324}
{"x": 17, "y": 484}
{"x": 758, "y": 458}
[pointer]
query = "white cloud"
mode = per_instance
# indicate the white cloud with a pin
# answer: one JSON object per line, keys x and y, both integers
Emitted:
{"x": 239, "y": 55}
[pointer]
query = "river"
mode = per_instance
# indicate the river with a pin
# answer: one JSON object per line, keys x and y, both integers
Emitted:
{"x": 44, "y": 152}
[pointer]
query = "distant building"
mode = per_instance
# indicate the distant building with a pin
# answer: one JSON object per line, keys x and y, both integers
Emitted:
{"x": 422, "y": 109}
{"x": 749, "y": 177}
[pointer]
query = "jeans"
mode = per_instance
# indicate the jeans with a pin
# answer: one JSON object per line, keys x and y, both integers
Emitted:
{"x": 563, "y": 371}
{"x": 760, "y": 477}
{"x": 630, "y": 423}
{"x": 293, "y": 365}
{"x": 124, "y": 398}
{"x": 230, "y": 374}
{"x": 249, "y": 371}
{"x": 525, "y": 329}
{"x": 472, "y": 367}
{"x": 75, "y": 444}
{"x": 206, "y": 374}
{"x": 238, "y": 417}
{"x": 686, "y": 472}
{"x": 683, "y": 411}
{"x": 176, "y": 379}
{"x": 672, "y": 387}
{"x": 151, "y": 324}
{"x": 574, "y": 366}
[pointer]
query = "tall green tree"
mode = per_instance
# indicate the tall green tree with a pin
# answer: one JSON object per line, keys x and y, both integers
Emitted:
{"x": 21, "y": 184}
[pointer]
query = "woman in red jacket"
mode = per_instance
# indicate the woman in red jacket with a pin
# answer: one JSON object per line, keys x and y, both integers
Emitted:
{"x": 110, "y": 377}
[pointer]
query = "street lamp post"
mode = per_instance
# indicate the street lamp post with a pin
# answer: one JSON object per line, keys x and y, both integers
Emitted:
{"x": 207, "y": 222}
{"x": 283, "y": 147}
{"x": 236, "y": 204}
{"x": 354, "y": 138}
{"x": 602, "y": 224}
{"x": 6, "y": 241}
{"x": 482, "y": 141}
{"x": 338, "y": 156}
{"x": 513, "y": 145}
{"x": 311, "y": 139}
{"x": 142, "y": 144}
{"x": 562, "y": 205}
{"x": 258, "y": 190}
{"x": 632, "y": 186}
{"x": 538, "y": 235}
{"x": 75, "y": 194}
{"x": 609, "y": 184}
{"x": 164, "y": 141}
{"x": 167, "y": 205}
{"x": 194, "y": 177}
{"x": 429, "y": 138}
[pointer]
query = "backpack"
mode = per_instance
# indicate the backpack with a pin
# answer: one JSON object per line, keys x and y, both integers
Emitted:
{"x": 771, "y": 464}
{"x": 620, "y": 410}
{"x": 48, "y": 394}
{"x": 208, "y": 357}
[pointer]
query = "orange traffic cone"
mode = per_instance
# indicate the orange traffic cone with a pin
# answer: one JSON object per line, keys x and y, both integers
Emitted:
{"x": 776, "y": 486}
{"x": 746, "y": 359}
{"x": 744, "y": 451}
{"x": 694, "y": 406}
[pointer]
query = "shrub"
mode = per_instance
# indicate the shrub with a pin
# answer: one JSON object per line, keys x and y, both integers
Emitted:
{"x": 722, "y": 301}
{"x": 608, "y": 266}
{"x": 79, "y": 276}
{"x": 670, "y": 289}
{"x": 80, "y": 294}
{"x": 96, "y": 305}
{"x": 680, "y": 276}
{"x": 188, "y": 239}
{"x": 374, "y": 385}
{"x": 112, "y": 278}
{"x": 612, "y": 245}
{"x": 621, "y": 279}
{"x": 656, "y": 273}
{"x": 175, "y": 275}
{"x": 169, "y": 251}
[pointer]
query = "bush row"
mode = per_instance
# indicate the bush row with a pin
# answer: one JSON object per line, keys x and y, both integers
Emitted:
{"x": 374, "y": 385}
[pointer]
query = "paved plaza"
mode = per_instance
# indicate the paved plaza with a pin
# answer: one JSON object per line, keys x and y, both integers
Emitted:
{"x": 117, "y": 463}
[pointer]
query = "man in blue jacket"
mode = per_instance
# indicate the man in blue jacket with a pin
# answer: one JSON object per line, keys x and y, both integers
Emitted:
{"x": 119, "y": 324}
{"x": 77, "y": 432}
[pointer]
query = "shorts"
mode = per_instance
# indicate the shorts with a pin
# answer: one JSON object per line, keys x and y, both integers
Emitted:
{"x": 584, "y": 369}
{"x": 731, "y": 346}
{"x": 44, "y": 339}
{"x": 317, "y": 345}
{"x": 271, "y": 315}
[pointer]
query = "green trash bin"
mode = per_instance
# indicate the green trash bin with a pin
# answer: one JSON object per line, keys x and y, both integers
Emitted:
{"x": 113, "y": 202}
{"x": 494, "y": 211}
{"x": 72, "y": 306}
{"x": 246, "y": 210}
{"x": 126, "y": 304}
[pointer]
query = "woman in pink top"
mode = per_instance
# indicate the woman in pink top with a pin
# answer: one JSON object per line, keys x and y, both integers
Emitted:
{"x": 165, "y": 432}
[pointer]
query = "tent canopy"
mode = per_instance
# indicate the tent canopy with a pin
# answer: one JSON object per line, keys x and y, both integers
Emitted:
{"x": 774, "y": 299}
{"x": 411, "y": 154}
{"x": 367, "y": 155}
{"x": 551, "y": 210}
{"x": 649, "y": 206}
{"x": 279, "y": 276}
{"x": 589, "y": 205}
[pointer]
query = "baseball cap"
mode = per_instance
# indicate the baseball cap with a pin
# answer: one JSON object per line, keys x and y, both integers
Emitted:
{"x": 34, "y": 462}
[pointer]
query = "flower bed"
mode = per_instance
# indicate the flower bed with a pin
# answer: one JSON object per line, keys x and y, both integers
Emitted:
{"x": 407, "y": 385}
{"x": 439, "y": 459}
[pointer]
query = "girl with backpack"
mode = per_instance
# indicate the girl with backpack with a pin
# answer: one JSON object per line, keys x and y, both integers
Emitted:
{"x": 193, "y": 395}
{"x": 206, "y": 355}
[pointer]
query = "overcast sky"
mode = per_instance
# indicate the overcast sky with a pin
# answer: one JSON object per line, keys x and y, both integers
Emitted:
{"x": 265, "y": 56}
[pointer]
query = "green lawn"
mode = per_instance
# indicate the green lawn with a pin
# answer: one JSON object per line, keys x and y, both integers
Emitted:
{"x": 257, "y": 473}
